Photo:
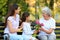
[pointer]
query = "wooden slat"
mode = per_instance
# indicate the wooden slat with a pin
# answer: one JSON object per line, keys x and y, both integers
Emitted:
{"x": 2, "y": 24}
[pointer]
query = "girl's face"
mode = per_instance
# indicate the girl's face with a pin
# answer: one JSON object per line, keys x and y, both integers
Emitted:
{"x": 18, "y": 10}
{"x": 28, "y": 18}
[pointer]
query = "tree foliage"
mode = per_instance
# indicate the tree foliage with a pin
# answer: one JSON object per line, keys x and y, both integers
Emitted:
{"x": 3, "y": 8}
{"x": 4, "y": 5}
{"x": 51, "y": 4}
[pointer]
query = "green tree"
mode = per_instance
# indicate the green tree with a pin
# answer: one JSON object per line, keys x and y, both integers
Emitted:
{"x": 3, "y": 8}
{"x": 46, "y": 4}
{"x": 51, "y": 4}
{"x": 4, "y": 5}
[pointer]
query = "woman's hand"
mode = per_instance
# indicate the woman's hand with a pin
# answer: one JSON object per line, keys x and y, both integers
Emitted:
{"x": 47, "y": 31}
{"x": 20, "y": 28}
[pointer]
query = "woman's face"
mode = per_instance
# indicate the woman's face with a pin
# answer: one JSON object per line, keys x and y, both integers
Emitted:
{"x": 46, "y": 16}
{"x": 18, "y": 10}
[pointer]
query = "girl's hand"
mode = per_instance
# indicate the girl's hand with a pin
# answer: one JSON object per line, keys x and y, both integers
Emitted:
{"x": 42, "y": 29}
{"x": 38, "y": 30}
{"x": 35, "y": 31}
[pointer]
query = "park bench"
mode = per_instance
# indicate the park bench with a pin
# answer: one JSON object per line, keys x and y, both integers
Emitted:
{"x": 57, "y": 30}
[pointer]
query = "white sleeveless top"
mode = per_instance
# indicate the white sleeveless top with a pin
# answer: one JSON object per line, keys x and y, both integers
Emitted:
{"x": 15, "y": 24}
{"x": 27, "y": 29}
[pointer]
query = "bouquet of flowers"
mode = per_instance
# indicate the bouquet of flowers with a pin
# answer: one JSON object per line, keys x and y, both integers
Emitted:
{"x": 38, "y": 25}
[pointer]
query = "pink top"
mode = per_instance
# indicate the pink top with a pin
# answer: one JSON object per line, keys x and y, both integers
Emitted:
{"x": 15, "y": 23}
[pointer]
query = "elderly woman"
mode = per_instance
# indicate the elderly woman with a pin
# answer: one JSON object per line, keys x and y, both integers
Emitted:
{"x": 47, "y": 31}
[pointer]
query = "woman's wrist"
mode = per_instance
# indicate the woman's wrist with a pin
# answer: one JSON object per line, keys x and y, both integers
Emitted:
{"x": 47, "y": 31}
{"x": 18, "y": 30}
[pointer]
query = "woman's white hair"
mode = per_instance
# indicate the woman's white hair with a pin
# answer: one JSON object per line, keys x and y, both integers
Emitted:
{"x": 47, "y": 11}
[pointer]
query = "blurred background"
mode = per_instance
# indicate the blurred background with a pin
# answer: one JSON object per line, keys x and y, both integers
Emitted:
{"x": 34, "y": 7}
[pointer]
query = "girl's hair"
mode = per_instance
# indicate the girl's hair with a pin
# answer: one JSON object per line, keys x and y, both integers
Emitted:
{"x": 23, "y": 18}
{"x": 11, "y": 12}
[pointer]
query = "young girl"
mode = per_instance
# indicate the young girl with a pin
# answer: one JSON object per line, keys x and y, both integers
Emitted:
{"x": 12, "y": 23}
{"x": 27, "y": 32}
